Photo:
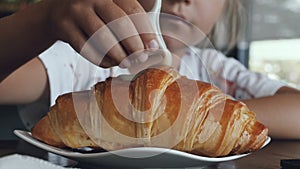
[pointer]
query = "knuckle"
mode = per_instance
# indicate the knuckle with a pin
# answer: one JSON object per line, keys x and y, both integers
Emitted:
{"x": 134, "y": 44}
{"x": 135, "y": 9}
{"x": 75, "y": 8}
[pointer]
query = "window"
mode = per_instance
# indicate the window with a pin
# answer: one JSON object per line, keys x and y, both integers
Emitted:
{"x": 275, "y": 39}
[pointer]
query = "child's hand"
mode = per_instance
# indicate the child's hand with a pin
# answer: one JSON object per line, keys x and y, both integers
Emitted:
{"x": 80, "y": 21}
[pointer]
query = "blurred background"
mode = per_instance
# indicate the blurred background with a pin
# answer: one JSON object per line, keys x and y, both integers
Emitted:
{"x": 7, "y": 7}
{"x": 270, "y": 45}
{"x": 274, "y": 44}
{"x": 271, "y": 40}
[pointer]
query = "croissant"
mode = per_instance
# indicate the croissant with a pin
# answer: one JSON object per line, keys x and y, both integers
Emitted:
{"x": 158, "y": 108}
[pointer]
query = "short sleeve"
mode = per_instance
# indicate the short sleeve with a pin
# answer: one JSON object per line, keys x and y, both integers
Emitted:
{"x": 59, "y": 61}
{"x": 67, "y": 71}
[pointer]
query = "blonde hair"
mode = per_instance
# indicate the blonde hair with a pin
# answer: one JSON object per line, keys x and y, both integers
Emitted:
{"x": 229, "y": 27}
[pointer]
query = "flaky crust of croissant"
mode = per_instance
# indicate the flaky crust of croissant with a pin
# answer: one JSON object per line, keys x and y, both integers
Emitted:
{"x": 157, "y": 108}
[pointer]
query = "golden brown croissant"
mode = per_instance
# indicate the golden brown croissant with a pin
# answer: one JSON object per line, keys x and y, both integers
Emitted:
{"x": 157, "y": 108}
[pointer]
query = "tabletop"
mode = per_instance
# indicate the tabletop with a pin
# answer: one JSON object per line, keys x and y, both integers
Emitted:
{"x": 269, "y": 157}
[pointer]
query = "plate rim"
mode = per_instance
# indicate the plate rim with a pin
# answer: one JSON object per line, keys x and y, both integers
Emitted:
{"x": 26, "y": 136}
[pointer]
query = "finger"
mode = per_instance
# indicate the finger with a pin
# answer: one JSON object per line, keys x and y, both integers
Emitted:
{"x": 124, "y": 63}
{"x": 155, "y": 58}
{"x": 88, "y": 47}
{"x": 107, "y": 62}
{"x": 122, "y": 27}
{"x": 92, "y": 54}
{"x": 141, "y": 21}
{"x": 75, "y": 37}
{"x": 101, "y": 38}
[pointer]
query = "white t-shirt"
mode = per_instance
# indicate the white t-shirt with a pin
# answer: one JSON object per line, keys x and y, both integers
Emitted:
{"x": 68, "y": 71}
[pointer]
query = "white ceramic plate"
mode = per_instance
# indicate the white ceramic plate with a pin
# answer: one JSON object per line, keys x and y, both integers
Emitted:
{"x": 148, "y": 156}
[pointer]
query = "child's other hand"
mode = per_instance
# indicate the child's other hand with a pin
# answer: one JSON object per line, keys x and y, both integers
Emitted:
{"x": 80, "y": 21}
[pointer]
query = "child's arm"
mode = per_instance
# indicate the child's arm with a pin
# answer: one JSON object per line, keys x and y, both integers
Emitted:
{"x": 27, "y": 84}
{"x": 28, "y": 32}
{"x": 280, "y": 113}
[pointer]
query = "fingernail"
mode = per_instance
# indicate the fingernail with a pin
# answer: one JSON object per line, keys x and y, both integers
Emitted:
{"x": 153, "y": 44}
{"x": 143, "y": 57}
{"x": 125, "y": 63}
